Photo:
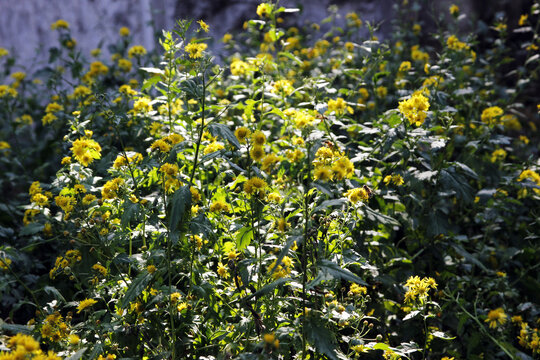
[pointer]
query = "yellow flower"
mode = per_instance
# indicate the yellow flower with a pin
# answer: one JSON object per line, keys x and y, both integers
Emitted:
{"x": 256, "y": 152}
{"x": 100, "y": 268}
{"x": 195, "y": 50}
{"x": 86, "y": 151}
{"x": 73, "y": 339}
{"x": 498, "y": 155}
{"x": 239, "y": 67}
{"x": 85, "y": 304}
{"x": 142, "y": 105}
{"x": 357, "y": 194}
{"x": 405, "y": 66}
{"x": 204, "y": 26}
{"x": 124, "y": 31}
{"x": 124, "y": 65}
{"x": 453, "y": 43}
{"x": 255, "y": 186}
{"x": 227, "y": 38}
{"x": 381, "y": 91}
{"x": 151, "y": 269}
{"x": 491, "y": 114}
{"x": 3, "y": 52}
{"x": 5, "y": 263}
{"x": 136, "y": 50}
{"x": 523, "y": 19}
{"x": 323, "y": 173}
{"x": 454, "y": 10}
{"x": 222, "y": 271}
{"x": 496, "y": 317}
{"x": 282, "y": 87}
{"x": 264, "y": 10}
{"x": 415, "y": 108}
{"x": 60, "y": 24}
{"x": 339, "y": 106}
{"x": 213, "y": 147}
{"x": 241, "y": 134}
{"x": 219, "y": 206}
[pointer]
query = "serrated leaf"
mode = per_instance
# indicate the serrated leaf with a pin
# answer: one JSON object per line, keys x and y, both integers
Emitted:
{"x": 135, "y": 289}
{"x": 180, "y": 204}
{"x": 329, "y": 203}
{"x": 374, "y": 215}
{"x": 336, "y": 271}
{"x": 268, "y": 287}
{"x": 322, "y": 338}
{"x": 243, "y": 238}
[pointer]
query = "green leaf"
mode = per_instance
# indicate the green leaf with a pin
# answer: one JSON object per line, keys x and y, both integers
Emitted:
{"x": 224, "y": 132}
{"x": 130, "y": 211}
{"x": 268, "y": 287}
{"x": 336, "y": 271}
{"x": 376, "y": 216}
{"x": 461, "y": 251}
{"x": 438, "y": 224}
{"x": 135, "y": 289}
{"x": 328, "y": 203}
{"x": 322, "y": 338}
{"x": 411, "y": 315}
{"x": 54, "y": 291}
{"x": 181, "y": 203}
{"x": 77, "y": 355}
{"x": 30, "y": 229}
{"x": 442, "y": 335}
{"x": 150, "y": 82}
{"x": 243, "y": 238}
{"x": 14, "y": 328}
{"x": 153, "y": 70}
{"x": 285, "y": 250}
{"x": 382, "y": 346}
{"x": 290, "y": 56}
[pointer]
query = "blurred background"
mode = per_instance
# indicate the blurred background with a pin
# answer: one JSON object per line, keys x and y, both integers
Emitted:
{"x": 25, "y": 25}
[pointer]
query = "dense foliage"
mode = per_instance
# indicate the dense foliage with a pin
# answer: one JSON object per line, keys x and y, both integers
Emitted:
{"x": 321, "y": 194}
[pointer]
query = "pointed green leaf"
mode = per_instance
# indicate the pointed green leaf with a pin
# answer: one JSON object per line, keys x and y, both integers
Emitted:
{"x": 180, "y": 204}
{"x": 135, "y": 289}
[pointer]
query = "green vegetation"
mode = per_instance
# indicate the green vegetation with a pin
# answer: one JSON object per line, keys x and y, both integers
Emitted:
{"x": 320, "y": 195}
